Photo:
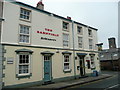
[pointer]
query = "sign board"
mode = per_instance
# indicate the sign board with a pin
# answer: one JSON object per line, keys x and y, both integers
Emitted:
{"x": 10, "y": 60}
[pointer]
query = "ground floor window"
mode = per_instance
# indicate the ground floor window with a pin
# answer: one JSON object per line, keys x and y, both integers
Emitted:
{"x": 66, "y": 62}
{"x": 92, "y": 61}
{"x": 24, "y": 64}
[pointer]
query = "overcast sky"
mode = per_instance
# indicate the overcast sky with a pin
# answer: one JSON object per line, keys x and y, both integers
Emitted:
{"x": 101, "y": 14}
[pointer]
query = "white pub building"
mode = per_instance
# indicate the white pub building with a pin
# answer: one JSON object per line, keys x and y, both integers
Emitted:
{"x": 38, "y": 47}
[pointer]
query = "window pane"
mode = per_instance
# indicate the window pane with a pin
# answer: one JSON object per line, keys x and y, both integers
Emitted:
{"x": 65, "y": 40}
{"x": 80, "y": 42}
{"x": 89, "y": 32}
{"x": 24, "y": 34}
{"x": 66, "y": 65}
{"x": 23, "y": 69}
{"x": 65, "y": 43}
{"x": 65, "y": 25}
{"x": 90, "y": 44}
{"x": 65, "y": 37}
{"x": 66, "y": 61}
{"x": 79, "y": 30}
{"x": 20, "y": 59}
{"x": 24, "y": 14}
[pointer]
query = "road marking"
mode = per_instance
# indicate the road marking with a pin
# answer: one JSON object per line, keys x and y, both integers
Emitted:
{"x": 112, "y": 87}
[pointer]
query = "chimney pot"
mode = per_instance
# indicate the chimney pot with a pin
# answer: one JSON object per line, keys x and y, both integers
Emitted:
{"x": 68, "y": 17}
{"x": 40, "y": 5}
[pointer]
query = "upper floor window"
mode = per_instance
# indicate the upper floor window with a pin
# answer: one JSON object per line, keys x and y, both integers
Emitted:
{"x": 65, "y": 40}
{"x": 79, "y": 30}
{"x": 89, "y": 33}
{"x": 25, "y": 14}
{"x": 24, "y": 34}
{"x": 65, "y": 26}
{"x": 80, "y": 42}
{"x": 90, "y": 44}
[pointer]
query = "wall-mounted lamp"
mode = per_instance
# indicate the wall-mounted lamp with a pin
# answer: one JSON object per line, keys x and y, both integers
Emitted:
{"x": 1, "y": 19}
{"x": 75, "y": 57}
{"x": 57, "y": 51}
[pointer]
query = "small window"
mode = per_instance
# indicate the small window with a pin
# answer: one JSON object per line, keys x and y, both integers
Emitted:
{"x": 65, "y": 40}
{"x": 89, "y": 33}
{"x": 24, "y": 34}
{"x": 65, "y": 26}
{"x": 66, "y": 62}
{"x": 25, "y": 14}
{"x": 79, "y": 30}
{"x": 90, "y": 44}
{"x": 80, "y": 42}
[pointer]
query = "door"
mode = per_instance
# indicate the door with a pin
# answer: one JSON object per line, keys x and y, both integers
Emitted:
{"x": 47, "y": 68}
{"x": 82, "y": 66}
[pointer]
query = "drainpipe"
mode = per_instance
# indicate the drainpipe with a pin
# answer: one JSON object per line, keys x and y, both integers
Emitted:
{"x": 1, "y": 59}
{"x": 73, "y": 48}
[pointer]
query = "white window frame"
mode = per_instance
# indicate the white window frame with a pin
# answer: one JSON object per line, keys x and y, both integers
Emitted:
{"x": 81, "y": 30}
{"x": 67, "y": 41}
{"x": 29, "y": 64}
{"x": 92, "y": 59}
{"x": 80, "y": 42}
{"x": 25, "y": 14}
{"x": 90, "y": 43}
{"x": 69, "y": 69}
{"x": 89, "y": 32}
{"x": 23, "y": 34}
{"x": 67, "y": 26}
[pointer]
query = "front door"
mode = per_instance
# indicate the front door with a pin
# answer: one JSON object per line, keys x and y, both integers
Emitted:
{"x": 82, "y": 66}
{"x": 47, "y": 68}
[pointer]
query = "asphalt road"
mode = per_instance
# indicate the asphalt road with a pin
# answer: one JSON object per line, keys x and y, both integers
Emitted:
{"x": 111, "y": 83}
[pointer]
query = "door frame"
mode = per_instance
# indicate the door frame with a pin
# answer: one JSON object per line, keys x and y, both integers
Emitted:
{"x": 82, "y": 73}
{"x": 47, "y": 53}
{"x": 82, "y": 55}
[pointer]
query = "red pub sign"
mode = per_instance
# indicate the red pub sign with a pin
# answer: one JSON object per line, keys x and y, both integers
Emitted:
{"x": 48, "y": 33}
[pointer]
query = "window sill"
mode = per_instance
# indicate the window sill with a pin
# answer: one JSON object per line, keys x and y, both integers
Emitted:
{"x": 67, "y": 71}
{"x": 23, "y": 43}
{"x": 90, "y": 35}
{"x": 24, "y": 76}
{"x": 80, "y": 34}
{"x": 25, "y": 20}
{"x": 65, "y": 30}
{"x": 66, "y": 47}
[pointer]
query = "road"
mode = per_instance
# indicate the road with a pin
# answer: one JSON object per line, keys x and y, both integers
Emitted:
{"x": 105, "y": 84}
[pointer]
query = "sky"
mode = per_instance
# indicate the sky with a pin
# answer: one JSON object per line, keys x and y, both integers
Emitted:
{"x": 100, "y": 14}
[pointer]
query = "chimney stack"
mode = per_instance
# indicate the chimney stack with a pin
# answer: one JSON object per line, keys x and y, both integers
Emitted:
{"x": 112, "y": 43}
{"x": 68, "y": 17}
{"x": 40, "y": 5}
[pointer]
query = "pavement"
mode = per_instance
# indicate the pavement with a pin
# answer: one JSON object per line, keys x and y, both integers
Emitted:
{"x": 70, "y": 83}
